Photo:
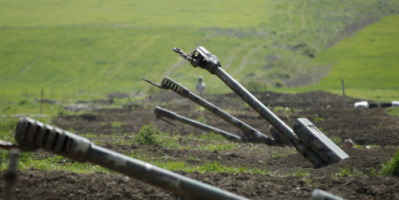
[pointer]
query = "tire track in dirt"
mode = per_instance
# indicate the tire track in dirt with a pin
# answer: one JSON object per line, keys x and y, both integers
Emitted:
{"x": 244, "y": 61}
{"x": 234, "y": 54}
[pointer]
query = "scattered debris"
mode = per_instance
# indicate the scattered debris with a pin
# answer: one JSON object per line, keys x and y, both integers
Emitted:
{"x": 361, "y": 104}
{"x": 80, "y": 107}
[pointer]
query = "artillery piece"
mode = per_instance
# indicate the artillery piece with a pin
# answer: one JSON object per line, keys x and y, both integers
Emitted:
{"x": 31, "y": 135}
{"x": 251, "y": 134}
{"x": 171, "y": 115}
{"x": 306, "y": 138}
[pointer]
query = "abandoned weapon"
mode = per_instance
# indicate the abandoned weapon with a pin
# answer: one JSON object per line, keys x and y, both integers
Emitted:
{"x": 250, "y": 133}
{"x": 172, "y": 115}
{"x": 305, "y": 137}
{"x": 31, "y": 135}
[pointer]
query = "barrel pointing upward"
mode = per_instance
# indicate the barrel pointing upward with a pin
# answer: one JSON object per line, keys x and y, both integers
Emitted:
{"x": 313, "y": 152}
{"x": 250, "y": 132}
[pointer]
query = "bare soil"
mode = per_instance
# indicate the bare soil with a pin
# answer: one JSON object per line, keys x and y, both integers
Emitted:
{"x": 364, "y": 126}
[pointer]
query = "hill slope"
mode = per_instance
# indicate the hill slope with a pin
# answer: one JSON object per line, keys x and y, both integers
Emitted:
{"x": 367, "y": 62}
{"x": 75, "y": 49}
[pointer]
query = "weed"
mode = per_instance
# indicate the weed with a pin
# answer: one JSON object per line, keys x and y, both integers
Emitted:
{"x": 393, "y": 111}
{"x": 22, "y": 102}
{"x": 391, "y": 167}
{"x": 207, "y": 136}
{"x": 90, "y": 135}
{"x": 201, "y": 119}
{"x": 299, "y": 172}
{"x": 337, "y": 140}
{"x": 319, "y": 119}
{"x": 346, "y": 172}
{"x": 116, "y": 125}
{"x": 146, "y": 135}
{"x": 217, "y": 147}
{"x": 193, "y": 159}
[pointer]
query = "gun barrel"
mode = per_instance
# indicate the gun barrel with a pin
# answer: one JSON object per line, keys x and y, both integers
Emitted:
{"x": 249, "y": 131}
{"x": 31, "y": 133}
{"x": 211, "y": 63}
{"x": 172, "y": 115}
{"x": 268, "y": 115}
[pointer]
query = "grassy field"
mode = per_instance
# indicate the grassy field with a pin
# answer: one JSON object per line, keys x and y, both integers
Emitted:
{"x": 84, "y": 50}
{"x": 367, "y": 62}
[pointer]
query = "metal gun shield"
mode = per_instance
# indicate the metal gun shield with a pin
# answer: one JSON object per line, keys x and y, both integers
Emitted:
{"x": 314, "y": 139}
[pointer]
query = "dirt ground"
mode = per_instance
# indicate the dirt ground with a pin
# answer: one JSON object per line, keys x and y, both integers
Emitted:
{"x": 364, "y": 126}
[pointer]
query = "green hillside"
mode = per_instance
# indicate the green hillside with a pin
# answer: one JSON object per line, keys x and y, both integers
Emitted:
{"x": 87, "y": 49}
{"x": 367, "y": 61}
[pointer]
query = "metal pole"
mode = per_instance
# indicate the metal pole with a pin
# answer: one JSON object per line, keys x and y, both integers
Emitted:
{"x": 41, "y": 103}
{"x": 343, "y": 92}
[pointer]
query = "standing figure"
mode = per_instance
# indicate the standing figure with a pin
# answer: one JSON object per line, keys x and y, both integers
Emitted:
{"x": 200, "y": 86}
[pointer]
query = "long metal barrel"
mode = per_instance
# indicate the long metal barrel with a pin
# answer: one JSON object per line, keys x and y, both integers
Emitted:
{"x": 204, "y": 59}
{"x": 172, "y": 115}
{"x": 31, "y": 134}
{"x": 250, "y": 132}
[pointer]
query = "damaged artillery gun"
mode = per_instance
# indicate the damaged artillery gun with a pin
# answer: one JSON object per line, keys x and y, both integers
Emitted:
{"x": 305, "y": 137}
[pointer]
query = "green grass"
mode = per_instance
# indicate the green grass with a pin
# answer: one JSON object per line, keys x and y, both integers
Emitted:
{"x": 83, "y": 50}
{"x": 391, "y": 167}
{"x": 347, "y": 172}
{"x": 367, "y": 62}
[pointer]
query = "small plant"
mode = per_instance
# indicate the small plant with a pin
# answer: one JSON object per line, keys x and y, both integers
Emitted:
{"x": 346, "y": 172}
{"x": 22, "y": 102}
{"x": 193, "y": 159}
{"x": 393, "y": 111}
{"x": 337, "y": 140}
{"x": 116, "y": 125}
{"x": 201, "y": 119}
{"x": 319, "y": 119}
{"x": 211, "y": 167}
{"x": 279, "y": 83}
{"x": 146, "y": 135}
{"x": 392, "y": 166}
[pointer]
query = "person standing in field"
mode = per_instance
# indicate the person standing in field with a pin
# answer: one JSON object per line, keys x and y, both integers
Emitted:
{"x": 200, "y": 86}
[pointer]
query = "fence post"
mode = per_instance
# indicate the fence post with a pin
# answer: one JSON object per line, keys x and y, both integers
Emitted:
{"x": 343, "y": 91}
